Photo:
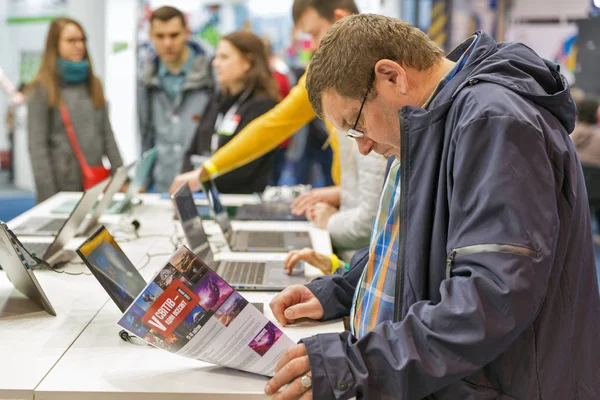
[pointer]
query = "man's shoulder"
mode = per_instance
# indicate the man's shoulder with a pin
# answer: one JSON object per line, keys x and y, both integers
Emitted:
{"x": 491, "y": 100}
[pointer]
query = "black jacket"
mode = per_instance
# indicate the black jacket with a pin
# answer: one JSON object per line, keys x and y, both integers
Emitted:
{"x": 497, "y": 294}
{"x": 254, "y": 176}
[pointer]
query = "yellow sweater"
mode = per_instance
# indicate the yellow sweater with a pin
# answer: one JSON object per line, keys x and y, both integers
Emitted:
{"x": 270, "y": 130}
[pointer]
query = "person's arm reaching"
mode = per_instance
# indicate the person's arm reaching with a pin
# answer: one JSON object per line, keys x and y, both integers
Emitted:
{"x": 490, "y": 297}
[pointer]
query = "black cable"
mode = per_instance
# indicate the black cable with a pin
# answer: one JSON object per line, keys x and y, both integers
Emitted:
{"x": 43, "y": 264}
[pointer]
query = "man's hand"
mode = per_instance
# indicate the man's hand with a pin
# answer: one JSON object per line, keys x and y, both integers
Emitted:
{"x": 292, "y": 366}
{"x": 320, "y": 214}
{"x": 315, "y": 259}
{"x": 192, "y": 178}
{"x": 296, "y": 302}
{"x": 330, "y": 195}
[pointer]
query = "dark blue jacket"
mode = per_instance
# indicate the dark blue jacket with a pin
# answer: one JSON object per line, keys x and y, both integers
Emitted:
{"x": 497, "y": 296}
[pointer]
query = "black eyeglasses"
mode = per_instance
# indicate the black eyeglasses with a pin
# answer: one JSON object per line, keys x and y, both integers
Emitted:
{"x": 353, "y": 132}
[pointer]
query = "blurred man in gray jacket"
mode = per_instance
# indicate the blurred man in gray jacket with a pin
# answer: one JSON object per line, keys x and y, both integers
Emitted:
{"x": 172, "y": 94}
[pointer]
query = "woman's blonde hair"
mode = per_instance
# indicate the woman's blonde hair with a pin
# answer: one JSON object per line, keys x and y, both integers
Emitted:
{"x": 48, "y": 76}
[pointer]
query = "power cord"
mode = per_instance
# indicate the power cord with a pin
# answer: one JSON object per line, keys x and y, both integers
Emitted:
{"x": 125, "y": 336}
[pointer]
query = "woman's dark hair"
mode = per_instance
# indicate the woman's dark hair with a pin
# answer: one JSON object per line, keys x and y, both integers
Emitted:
{"x": 587, "y": 110}
{"x": 259, "y": 76}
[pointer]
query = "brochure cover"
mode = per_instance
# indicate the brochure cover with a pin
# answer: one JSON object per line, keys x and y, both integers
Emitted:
{"x": 189, "y": 310}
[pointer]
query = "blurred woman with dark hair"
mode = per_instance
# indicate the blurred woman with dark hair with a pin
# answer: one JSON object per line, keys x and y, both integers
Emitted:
{"x": 247, "y": 90}
{"x": 67, "y": 96}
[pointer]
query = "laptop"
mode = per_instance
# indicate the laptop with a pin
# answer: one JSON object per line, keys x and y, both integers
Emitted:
{"x": 53, "y": 251}
{"x": 144, "y": 166}
{"x": 18, "y": 271}
{"x": 113, "y": 269}
{"x": 50, "y": 226}
{"x": 116, "y": 183}
{"x": 242, "y": 275}
{"x": 259, "y": 241}
{"x": 267, "y": 212}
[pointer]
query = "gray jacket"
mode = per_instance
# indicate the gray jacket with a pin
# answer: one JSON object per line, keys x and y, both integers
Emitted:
{"x": 53, "y": 161}
{"x": 168, "y": 124}
{"x": 362, "y": 179}
{"x": 496, "y": 288}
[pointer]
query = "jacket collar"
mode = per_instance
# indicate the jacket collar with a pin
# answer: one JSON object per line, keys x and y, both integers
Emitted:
{"x": 198, "y": 77}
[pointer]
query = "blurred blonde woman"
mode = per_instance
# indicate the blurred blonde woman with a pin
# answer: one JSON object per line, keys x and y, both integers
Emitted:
{"x": 66, "y": 77}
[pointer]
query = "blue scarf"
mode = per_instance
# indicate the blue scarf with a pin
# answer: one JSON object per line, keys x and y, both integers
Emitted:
{"x": 73, "y": 71}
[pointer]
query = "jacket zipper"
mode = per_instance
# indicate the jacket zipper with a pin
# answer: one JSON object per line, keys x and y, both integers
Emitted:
{"x": 399, "y": 289}
{"x": 486, "y": 248}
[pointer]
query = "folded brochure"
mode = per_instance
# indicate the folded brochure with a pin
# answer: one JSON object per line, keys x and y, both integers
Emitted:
{"x": 189, "y": 310}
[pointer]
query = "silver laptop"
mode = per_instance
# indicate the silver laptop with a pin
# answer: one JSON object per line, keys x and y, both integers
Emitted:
{"x": 242, "y": 275}
{"x": 53, "y": 251}
{"x": 253, "y": 241}
{"x": 18, "y": 271}
{"x": 116, "y": 183}
{"x": 142, "y": 170}
{"x": 50, "y": 226}
{"x": 267, "y": 212}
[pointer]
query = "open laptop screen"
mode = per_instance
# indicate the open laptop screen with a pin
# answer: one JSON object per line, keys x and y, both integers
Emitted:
{"x": 142, "y": 171}
{"x": 112, "y": 268}
{"x": 189, "y": 218}
{"x": 220, "y": 213}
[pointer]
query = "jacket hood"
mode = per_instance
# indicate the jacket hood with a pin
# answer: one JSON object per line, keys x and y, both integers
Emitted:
{"x": 199, "y": 77}
{"x": 518, "y": 68}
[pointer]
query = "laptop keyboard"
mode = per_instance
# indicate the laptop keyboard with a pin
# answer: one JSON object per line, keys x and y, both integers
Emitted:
{"x": 245, "y": 273}
{"x": 53, "y": 225}
{"x": 39, "y": 249}
{"x": 276, "y": 212}
{"x": 266, "y": 239}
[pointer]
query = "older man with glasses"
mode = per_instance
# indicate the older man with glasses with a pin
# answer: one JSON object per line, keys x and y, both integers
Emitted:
{"x": 488, "y": 289}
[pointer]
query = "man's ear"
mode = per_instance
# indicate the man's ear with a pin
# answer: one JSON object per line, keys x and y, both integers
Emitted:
{"x": 390, "y": 74}
{"x": 340, "y": 13}
{"x": 188, "y": 33}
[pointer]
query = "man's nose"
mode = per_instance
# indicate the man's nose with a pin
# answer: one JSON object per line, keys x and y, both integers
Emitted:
{"x": 364, "y": 146}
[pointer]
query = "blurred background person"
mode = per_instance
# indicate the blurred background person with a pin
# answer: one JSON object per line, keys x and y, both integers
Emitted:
{"x": 16, "y": 96}
{"x": 271, "y": 129}
{"x": 172, "y": 95}
{"x": 347, "y": 211}
{"x": 66, "y": 77}
{"x": 247, "y": 89}
{"x": 586, "y": 135}
{"x": 11, "y": 122}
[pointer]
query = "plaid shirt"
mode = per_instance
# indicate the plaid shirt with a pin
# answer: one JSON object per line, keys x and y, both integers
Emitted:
{"x": 374, "y": 296}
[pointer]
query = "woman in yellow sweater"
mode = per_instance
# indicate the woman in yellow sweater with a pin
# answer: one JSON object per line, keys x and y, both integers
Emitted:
{"x": 271, "y": 129}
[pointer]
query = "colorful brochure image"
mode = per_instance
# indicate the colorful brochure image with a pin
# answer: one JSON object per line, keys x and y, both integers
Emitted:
{"x": 189, "y": 310}
{"x": 265, "y": 339}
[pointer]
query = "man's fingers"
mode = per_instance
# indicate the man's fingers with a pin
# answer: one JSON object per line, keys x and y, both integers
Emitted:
{"x": 309, "y": 309}
{"x": 293, "y": 391}
{"x": 296, "y": 367}
{"x": 293, "y": 352}
{"x": 290, "y": 296}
